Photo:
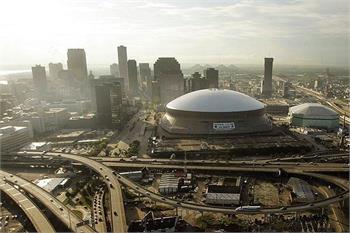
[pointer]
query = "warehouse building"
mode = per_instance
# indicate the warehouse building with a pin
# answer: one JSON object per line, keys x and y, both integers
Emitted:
{"x": 301, "y": 190}
{"x": 313, "y": 115}
{"x": 215, "y": 112}
{"x": 168, "y": 184}
{"x": 223, "y": 195}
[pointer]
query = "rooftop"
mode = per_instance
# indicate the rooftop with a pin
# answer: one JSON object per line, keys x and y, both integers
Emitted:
{"x": 215, "y": 100}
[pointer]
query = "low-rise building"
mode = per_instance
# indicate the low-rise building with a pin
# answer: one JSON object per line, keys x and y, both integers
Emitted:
{"x": 168, "y": 184}
{"x": 301, "y": 190}
{"x": 13, "y": 138}
{"x": 223, "y": 195}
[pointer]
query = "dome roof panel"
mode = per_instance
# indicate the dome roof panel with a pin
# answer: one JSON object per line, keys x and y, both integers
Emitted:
{"x": 215, "y": 100}
{"x": 313, "y": 109}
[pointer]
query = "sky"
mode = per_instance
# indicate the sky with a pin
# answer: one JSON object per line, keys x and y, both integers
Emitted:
{"x": 310, "y": 32}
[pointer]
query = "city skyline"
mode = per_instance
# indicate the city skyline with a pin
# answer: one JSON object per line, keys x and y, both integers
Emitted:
{"x": 220, "y": 32}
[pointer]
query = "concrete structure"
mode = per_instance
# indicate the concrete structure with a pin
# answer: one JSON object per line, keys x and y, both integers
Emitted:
{"x": 266, "y": 85}
{"x": 76, "y": 63}
{"x": 214, "y": 111}
{"x": 276, "y": 106}
{"x": 13, "y": 138}
{"x": 168, "y": 74}
{"x": 145, "y": 72}
{"x": 123, "y": 66}
{"x": 114, "y": 70}
{"x": 133, "y": 82}
{"x": 313, "y": 115}
{"x": 54, "y": 69}
{"x": 39, "y": 81}
{"x": 212, "y": 76}
{"x": 197, "y": 82}
{"x": 109, "y": 104}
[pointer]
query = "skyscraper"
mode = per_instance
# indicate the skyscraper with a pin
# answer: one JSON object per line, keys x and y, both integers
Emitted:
{"x": 123, "y": 66}
{"x": 145, "y": 72}
{"x": 146, "y": 77}
{"x": 132, "y": 72}
{"x": 54, "y": 69}
{"x": 168, "y": 74}
{"x": 212, "y": 76}
{"x": 114, "y": 70}
{"x": 266, "y": 85}
{"x": 108, "y": 103}
{"x": 39, "y": 81}
{"x": 77, "y": 64}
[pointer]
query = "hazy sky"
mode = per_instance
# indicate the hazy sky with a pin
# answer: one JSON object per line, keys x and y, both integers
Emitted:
{"x": 194, "y": 31}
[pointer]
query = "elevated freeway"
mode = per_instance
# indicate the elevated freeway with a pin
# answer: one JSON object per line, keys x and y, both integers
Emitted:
{"x": 34, "y": 214}
{"x": 187, "y": 205}
{"x": 54, "y": 205}
{"x": 118, "y": 219}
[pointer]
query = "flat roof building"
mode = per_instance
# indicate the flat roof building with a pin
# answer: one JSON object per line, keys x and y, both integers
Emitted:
{"x": 13, "y": 138}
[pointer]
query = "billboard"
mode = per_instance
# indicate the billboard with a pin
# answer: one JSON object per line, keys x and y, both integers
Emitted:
{"x": 223, "y": 125}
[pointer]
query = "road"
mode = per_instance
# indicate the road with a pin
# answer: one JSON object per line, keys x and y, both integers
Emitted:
{"x": 99, "y": 213}
{"x": 117, "y": 204}
{"x": 193, "y": 206}
{"x": 37, "y": 218}
{"x": 237, "y": 167}
{"x": 338, "y": 218}
{"x": 54, "y": 205}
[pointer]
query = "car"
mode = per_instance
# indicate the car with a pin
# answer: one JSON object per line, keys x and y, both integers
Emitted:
{"x": 148, "y": 194}
{"x": 115, "y": 213}
{"x": 163, "y": 198}
{"x": 101, "y": 168}
{"x": 154, "y": 160}
{"x": 137, "y": 188}
{"x": 178, "y": 203}
{"x": 283, "y": 208}
{"x": 107, "y": 179}
{"x": 114, "y": 173}
{"x": 61, "y": 209}
{"x": 96, "y": 222}
{"x": 100, "y": 219}
{"x": 341, "y": 196}
{"x": 311, "y": 204}
{"x": 51, "y": 200}
{"x": 111, "y": 185}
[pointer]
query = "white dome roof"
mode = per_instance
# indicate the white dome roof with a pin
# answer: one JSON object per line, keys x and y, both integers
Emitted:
{"x": 313, "y": 110}
{"x": 215, "y": 100}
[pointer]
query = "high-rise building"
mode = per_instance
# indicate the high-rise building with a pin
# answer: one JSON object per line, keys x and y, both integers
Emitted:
{"x": 114, "y": 70}
{"x": 145, "y": 77}
{"x": 266, "y": 85}
{"x": 76, "y": 63}
{"x": 109, "y": 104}
{"x": 132, "y": 72}
{"x": 168, "y": 74}
{"x": 212, "y": 76}
{"x": 197, "y": 82}
{"x": 54, "y": 69}
{"x": 145, "y": 72}
{"x": 123, "y": 65}
{"x": 39, "y": 81}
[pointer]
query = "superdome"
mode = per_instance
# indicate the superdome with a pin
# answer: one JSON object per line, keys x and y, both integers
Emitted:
{"x": 313, "y": 115}
{"x": 215, "y": 111}
{"x": 215, "y": 100}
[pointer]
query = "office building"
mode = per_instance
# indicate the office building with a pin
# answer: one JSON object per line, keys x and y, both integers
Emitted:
{"x": 168, "y": 74}
{"x": 13, "y": 138}
{"x": 145, "y": 72}
{"x": 212, "y": 76}
{"x": 108, "y": 103}
{"x": 76, "y": 63}
{"x": 266, "y": 85}
{"x": 133, "y": 82}
{"x": 197, "y": 82}
{"x": 114, "y": 70}
{"x": 39, "y": 81}
{"x": 123, "y": 66}
{"x": 54, "y": 69}
{"x": 214, "y": 112}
